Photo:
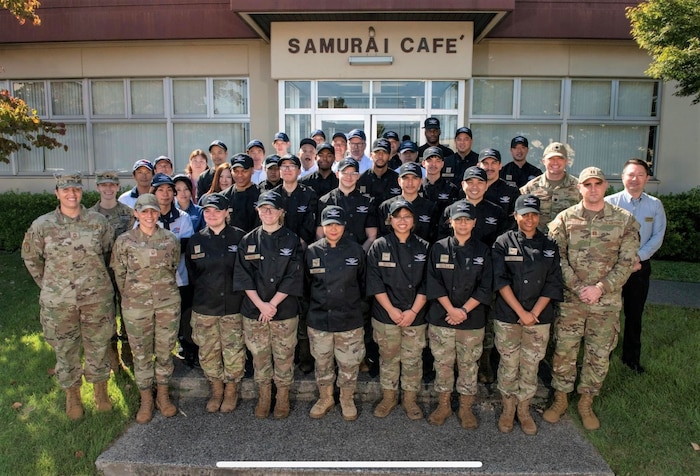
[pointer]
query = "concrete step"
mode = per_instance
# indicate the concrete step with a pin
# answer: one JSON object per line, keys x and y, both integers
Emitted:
{"x": 198, "y": 443}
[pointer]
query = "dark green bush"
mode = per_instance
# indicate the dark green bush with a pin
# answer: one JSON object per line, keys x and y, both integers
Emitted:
{"x": 19, "y": 210}
{"x": 682, "y": 239}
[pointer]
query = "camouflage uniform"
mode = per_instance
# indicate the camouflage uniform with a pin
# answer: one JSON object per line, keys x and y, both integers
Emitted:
{"x": 398, "y": 270}
{"x": 66, "y": 258}
{"x": 594, "y": 251}
{"x": 144, "y": 268}
{"x": 272, "y": 341}
{"x": 553, "y": 198}
{"x": 347, "y": 348}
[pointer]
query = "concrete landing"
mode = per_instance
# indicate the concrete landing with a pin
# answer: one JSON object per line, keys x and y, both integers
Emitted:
{"x": 192, "y": 442}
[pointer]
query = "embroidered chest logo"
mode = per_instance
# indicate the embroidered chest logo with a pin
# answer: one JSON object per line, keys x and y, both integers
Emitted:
{"x": 424, "y": 219}
{"x": 478, "y": 260}
{"x": 395, "y": 191}
{"x": 504, "y": 199}
{"x": 512, "y": 251}
{"x": 491, "y": 221}
{"x": 352, "y": 261}
{"x": 443, "y": 196}
{"x": 286, "y": 252}
{"x": 362, "y": 209}
{"x": 233, "y": 248}
{"x": 548, "y": 253}
{"x": 420, "y": 258}
{"x": 302, "y": 209}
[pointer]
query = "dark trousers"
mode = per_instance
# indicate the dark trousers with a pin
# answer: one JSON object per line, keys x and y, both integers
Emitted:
{"x": 634, "y": 296}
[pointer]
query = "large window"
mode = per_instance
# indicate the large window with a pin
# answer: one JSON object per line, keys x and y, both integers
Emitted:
{"x": 308, "y": 105}
{"x": 604, "y": 122}
{"x": 112, "y": 122}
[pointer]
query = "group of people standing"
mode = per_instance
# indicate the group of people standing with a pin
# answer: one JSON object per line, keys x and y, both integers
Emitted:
{"x": 342, "y": 262}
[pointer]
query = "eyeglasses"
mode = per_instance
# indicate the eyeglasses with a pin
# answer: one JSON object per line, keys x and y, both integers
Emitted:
{"x": 266, "y": 210}
{"x": 288, "y": 167}
{"x": 357, "y": 144}
{"x": 350, "y": 174}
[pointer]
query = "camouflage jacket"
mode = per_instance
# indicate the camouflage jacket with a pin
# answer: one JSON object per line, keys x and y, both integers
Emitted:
{"x": 553, "y": 199}
{"x": 121, "y": 217}
{"x": 144, "y": 268}
{"x": 601, "y": 250}
{"x": 66, "y": 257}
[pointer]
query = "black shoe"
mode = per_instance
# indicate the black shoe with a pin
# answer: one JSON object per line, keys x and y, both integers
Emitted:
{"x": 635, "y": 367}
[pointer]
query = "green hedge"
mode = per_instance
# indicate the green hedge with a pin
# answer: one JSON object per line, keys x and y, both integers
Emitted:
{"x": 18, "y": 210}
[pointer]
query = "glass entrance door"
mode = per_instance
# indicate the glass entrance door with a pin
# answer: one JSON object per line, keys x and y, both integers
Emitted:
{"x": 403, "y": 125}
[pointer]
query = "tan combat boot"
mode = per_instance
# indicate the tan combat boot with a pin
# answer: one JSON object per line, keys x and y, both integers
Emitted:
{"x": 74, "y": 404}
{"x": 588, "y": 418}
{"x": 408, "y": 402}
{"x": 347, "y": 403}
{"x": 262, "y": 409}
{"x": 325, "y": 402}
{"x": 443, "y": 410}
{"x": 465, "y": 414}
{"x": 217, "y": 396}
{"x": 102, "y": 402}
{"x": 230, "y": 398}
{"x": 389, "y": 401}
{"x": 558, "y": 408}
{"x": 281, "y": 403}
{"x": 505, "y": 421}
{"x": 167, "y": 409}
{"x": 145, "y": 413}
{"x": 527, "y": 424}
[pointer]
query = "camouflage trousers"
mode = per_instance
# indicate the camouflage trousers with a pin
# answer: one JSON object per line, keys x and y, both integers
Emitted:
{"x": 68, "y": 328}
{"x": 456, "y": 345}
{"x": 152, "y": 337}
{"x": 521, "y": 348}
{"x": 270, "y": 342}
{"x": 599, "y": 331}
{"x": 400, "y": 355}
{"x": 346, "y": 348}
{"x": 221, "y": 345}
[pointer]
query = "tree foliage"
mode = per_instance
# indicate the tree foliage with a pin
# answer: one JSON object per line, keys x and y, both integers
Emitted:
{"x": 23, "y": 10}
{"x": 20, "y": 126}
{"x": 668, "y": 30}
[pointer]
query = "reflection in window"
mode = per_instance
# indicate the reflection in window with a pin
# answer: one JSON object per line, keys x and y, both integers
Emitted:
{"x": 108, "y": 98}
{"x": 398, "y": 94}
{"x": 147, "y": 98}
{"x": 499, "y": 136}
{"x": 67, "y": 98}
{"x": 492, "y": 97}
{"x": 297, "y": 94}
{"x": 297, "y": 126}
{"x": 540, "y": 98}
{"x": 190, "y": 96}
{"x": 230, "y": 96}
{"x": 445, "y": 95}
{"x": 343, "y": 94}
{"x": 31, "y": 92}
{"x": 590, "y": 98}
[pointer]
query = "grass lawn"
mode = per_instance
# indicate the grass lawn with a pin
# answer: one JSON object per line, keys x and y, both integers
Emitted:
{"x": 675, "y": 271}
{"x": 648, "y": 421}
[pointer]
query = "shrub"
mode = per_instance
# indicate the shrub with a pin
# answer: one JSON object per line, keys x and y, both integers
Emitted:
{"x": 19, "y": 210}
{"x": 683, "y": 226}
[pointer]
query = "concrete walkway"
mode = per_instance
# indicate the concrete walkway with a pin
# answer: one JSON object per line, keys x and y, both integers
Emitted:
{"x": 674, "y": 293}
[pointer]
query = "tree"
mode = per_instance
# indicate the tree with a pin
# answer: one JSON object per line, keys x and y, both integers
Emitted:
{"x": 23, "y": 10}
{"x": 20, "y": 127}
{"x": 668, "y": 30}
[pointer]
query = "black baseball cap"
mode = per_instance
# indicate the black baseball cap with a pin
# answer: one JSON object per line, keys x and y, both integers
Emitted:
{"x": 519, "y": 140}
{"x": 492, "y": 153}
{"x": 324, "y": 146}
{"x": 381, "y": 144}
{"x": 432, "y": 152}
{"x": 215, "y": 200}
{"x": 391, "y": 135}
{"x": 281, "y": 136}
{"x": 291, "y": 157}
{"x": 242, "y": 160}
{"x": 431, "y": 123}
{"x": 255, "y": 143}
{"x": 411, "y": 168}
{"x": 464, "y": 130}
{"x": 307, "y": 141}
{"x": 475, "y": 172}
{"x": 218, "y": 143}
{"x": 319, "y": 132}
{"x": 333, "y": 214}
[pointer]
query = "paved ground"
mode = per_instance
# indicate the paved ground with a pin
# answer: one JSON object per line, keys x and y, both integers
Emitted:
{"x": 194, "y": 441}
{"x": 674, "y": 293}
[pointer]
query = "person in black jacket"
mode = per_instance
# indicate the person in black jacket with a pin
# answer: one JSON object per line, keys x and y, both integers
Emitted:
{"x": 396, "y": 278}
{"x": 527, "y": 275}
{"x": 217, "y": 323}
{"x": 335, "y": 273}
{"x": 269, "y": 271}
{"x": 459, "y": 289}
